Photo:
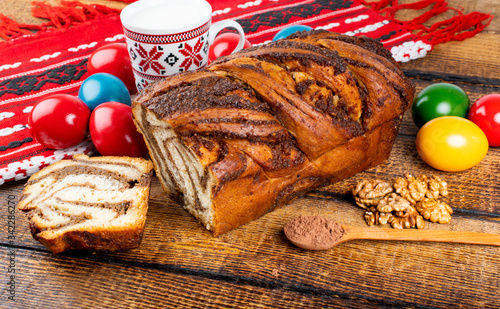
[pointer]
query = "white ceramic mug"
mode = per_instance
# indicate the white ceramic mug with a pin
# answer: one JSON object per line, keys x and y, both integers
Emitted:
{"x": 165, "y": 37}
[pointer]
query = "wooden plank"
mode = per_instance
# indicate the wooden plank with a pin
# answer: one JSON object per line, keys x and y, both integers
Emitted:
{"x": 477, "y": 57}
{"x": 175, "y": 242}
{"x": 42, "y": 280}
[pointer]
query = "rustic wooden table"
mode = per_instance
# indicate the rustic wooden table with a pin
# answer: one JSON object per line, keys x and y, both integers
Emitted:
{"x": 179, "y": 264}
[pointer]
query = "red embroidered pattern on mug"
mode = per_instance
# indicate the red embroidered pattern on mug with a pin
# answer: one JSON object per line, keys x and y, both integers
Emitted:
{"x": 149, "y": 59}
{"x": 170, "y": 38}
{"x": 192, "y": 54}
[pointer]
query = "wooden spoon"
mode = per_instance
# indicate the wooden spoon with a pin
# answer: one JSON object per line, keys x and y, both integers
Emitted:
{"x": 354, "y": 232}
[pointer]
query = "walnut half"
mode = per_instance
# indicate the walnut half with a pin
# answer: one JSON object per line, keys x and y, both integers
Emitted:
{"x": 394, "y": 202}
{"x": 410, "y": 219}
{"x": 436, "y": 187}
{"x": 398, "y": 212}
{"x": 375, "y": 217}
{"x": 434, "y": 211}
{"x": 369, "y": 192}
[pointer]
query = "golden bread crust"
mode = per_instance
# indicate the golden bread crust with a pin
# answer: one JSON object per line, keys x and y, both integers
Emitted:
{"x": 262, "y": 126}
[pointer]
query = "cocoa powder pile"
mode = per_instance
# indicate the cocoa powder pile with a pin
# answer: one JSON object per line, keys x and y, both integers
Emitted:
{"x": 313, "y": 232}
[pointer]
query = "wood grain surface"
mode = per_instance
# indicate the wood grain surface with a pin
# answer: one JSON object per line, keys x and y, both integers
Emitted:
{"x": 179, "y": 264}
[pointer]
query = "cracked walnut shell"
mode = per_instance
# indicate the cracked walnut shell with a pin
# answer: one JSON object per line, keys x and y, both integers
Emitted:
{"x": 370, "y": 192}
{"x": 434, "y": 211}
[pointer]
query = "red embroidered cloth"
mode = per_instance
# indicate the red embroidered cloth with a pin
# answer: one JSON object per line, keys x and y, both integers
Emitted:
{"x": 53, "y": 59}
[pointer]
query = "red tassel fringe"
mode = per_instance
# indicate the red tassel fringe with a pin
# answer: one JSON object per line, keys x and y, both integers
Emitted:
{"x": 69, "y": 13}
{"x": 457, "y": 28}
{"x": 10, "y": 28}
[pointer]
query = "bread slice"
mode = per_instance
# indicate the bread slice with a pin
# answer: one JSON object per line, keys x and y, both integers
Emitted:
{"x": 97, "y": 203}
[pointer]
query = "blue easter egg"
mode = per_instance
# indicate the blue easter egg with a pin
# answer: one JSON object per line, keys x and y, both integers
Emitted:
{"x": 283, "y": 33}
{"x": 103, "y": 87}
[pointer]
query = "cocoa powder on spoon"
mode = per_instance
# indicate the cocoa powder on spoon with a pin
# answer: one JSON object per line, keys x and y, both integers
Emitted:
{"x": 313, "y": 232}
{"x": 318, "y": 233}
